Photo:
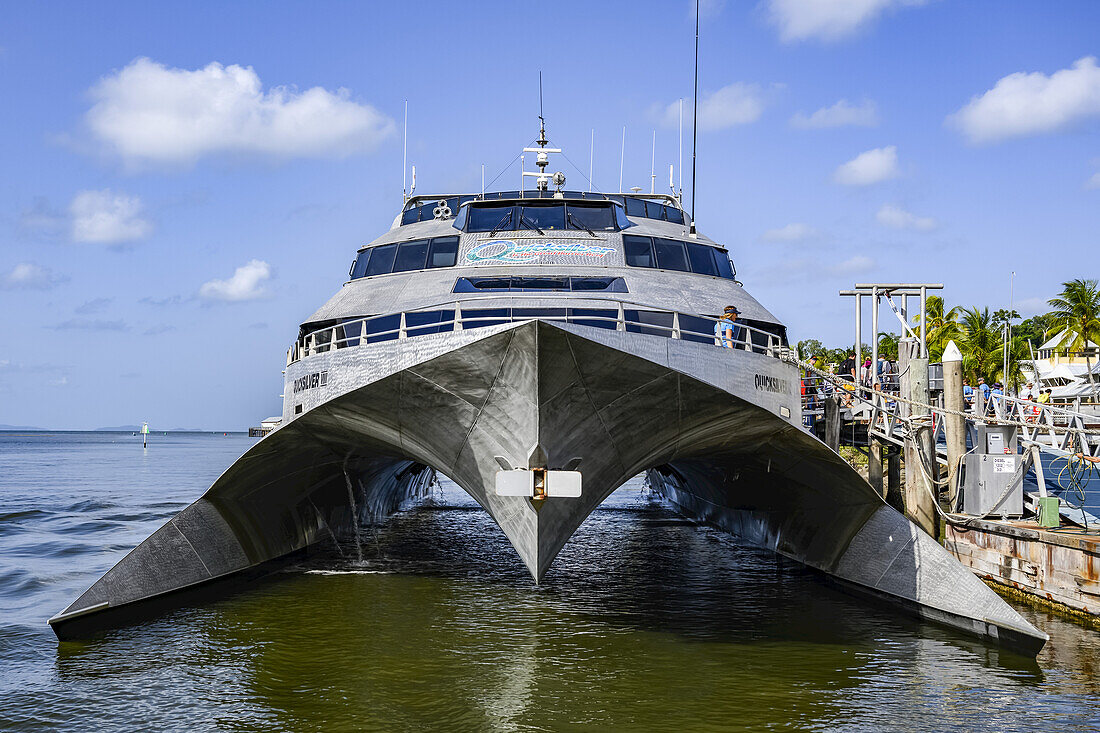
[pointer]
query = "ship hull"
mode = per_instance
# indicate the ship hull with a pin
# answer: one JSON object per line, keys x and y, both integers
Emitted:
{"x": 718, "y": 431}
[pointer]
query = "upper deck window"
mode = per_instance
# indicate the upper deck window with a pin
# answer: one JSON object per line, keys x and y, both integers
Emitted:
{"x": 639, "y": 251}
{"x": 544, "y": 216}
{"x": 411, "y": 256}
{"x": 419, "y": 254}
{"x": 490, "y": 218}
{"x": 596, "y": 218}
{"x": 424, "y": 209}
{"x": 671, "y": 254}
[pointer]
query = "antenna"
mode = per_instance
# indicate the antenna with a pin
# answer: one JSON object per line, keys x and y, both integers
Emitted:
{"x": 622, "y": 155}
{"x": 671, "y": 183}
{"x": 414, "y": 182}
{"x": 405, "y": 154}
{"x": 695, "y": 118}
{"x": 680, "y": 164}
{"x": 652, "y": 160}
{"x": 591, "y": 153}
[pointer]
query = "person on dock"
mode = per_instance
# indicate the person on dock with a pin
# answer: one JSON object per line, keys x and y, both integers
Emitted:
{"x": 968, "y": 393}
{"x": 727, "y": 332}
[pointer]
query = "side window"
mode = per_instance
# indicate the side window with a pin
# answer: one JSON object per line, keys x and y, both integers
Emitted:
{"x": 674, "y": 215}
{"x": 635, "y": 207}
{"x": 654, "y": 210}
{"x": 411, "y": 256}
{"x": 359, "y": 269}
{"x": 381, "y": 260}
{"x": 670, "y": 255}
{"x": 725, "y": 267}
{"x": 443, "y": 252}
{"x": 639, "y": 251}
{"x": 702, "y": 259}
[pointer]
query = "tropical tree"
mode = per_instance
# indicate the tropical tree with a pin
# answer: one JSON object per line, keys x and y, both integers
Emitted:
{"x": 1018, "y": 352}
{"x": 888, "y": 345}
{"x": 1003, "y": 315}
{"x": 1034, "y": 329}
{"x": 809, "y": 349}
{"x": 1077, "y": 312}
{"x": 980, "y": 343}
{"x": 942, "y": 326}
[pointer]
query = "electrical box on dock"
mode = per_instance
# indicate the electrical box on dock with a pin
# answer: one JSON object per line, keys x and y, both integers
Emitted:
{"x": 993, "y": 478}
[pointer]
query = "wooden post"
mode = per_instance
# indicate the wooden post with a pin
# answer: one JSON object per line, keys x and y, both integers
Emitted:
{"x": 954, "y": 425}
{"x": 893, "y": 480}
{"x": 832, "y": 422}
{"x": 874, "y": 465}
{"x": 919, "y": 506}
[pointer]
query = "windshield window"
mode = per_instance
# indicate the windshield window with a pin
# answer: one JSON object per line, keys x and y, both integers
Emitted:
{"x": 411, "y": 256}
{"x": 542, "y": 217}
{"x": 444, "y": 252}
{"x": 654, "y": 210}
{"x": 489, "y": 218}
{"x": 596, "y": 218}
{"x": 381, "y": 260}
{"x": 670, "y": 255}
{"x": 674, "y": 215}
{"x": 725, "y": 266}
{"x": 639, "y": 252}
{"x": 702, "y": 259}
{"x": 359, "y": 269}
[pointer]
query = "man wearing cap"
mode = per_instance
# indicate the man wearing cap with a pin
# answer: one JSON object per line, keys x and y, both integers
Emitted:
{"x": 726, "y": 331}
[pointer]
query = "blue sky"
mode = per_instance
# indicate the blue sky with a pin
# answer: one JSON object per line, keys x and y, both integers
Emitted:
{"x": 182, "y": 184}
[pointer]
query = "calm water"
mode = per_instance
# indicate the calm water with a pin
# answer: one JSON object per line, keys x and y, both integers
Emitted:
{"x": 645, "y": 622}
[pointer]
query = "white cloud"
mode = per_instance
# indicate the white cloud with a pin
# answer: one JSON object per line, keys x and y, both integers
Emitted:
{"x": 827, "y": 20}
{"x": 246, "y": 283}
{"x": 1029, "y": 104}
{"x": 841, "y": 114}
{"x": 149, "y": 112}
{"x": 29, "y": 276}
{"x": 736, "y": 104}
{"x": 1094, "y": 181}
{"x": 898, "y": 218}
{"x": 790, "y": 233}
{"x": 873, "y": 166}
{"x": 853, "y": 265}
{"x": 107, "y": 217}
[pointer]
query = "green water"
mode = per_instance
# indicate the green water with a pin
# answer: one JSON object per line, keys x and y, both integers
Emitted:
{"x": 645, "y": 622}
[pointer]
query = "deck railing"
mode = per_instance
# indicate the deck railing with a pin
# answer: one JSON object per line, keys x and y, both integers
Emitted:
{"x": 606, "y": 313}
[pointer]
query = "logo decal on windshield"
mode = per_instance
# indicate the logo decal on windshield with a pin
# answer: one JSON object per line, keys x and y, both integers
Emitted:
{"x": 508, "y": 251}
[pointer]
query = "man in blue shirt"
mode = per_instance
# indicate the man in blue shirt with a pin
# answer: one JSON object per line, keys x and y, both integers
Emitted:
{"x": 727, "y": 333}
{"x": 968, "y": 392}
{"x": 984, "y": 389}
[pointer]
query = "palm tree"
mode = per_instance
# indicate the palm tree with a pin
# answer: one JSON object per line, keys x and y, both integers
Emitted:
{"x": 1077, "y": 313}
{"x": 1018, "y": 352}
{"x": 980, "y": 343}
{"x": 942, "y": 326}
